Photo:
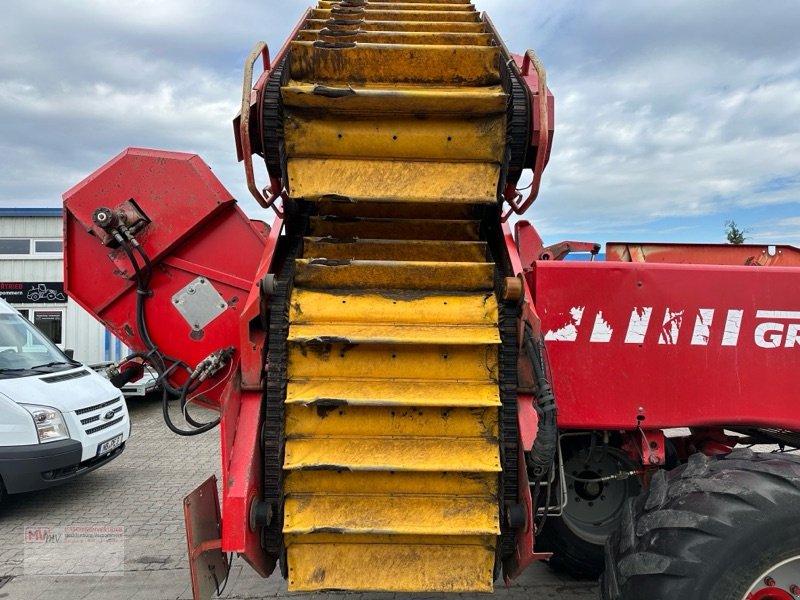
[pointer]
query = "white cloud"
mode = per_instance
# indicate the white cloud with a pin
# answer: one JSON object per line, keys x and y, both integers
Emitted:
{"x": 664, "y": 110}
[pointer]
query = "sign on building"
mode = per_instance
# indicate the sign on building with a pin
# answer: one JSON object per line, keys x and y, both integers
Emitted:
{"x": 24, "y": 292}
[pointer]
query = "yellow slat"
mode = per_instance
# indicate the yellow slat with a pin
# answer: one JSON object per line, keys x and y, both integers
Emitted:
{"x": 403, "y": 211}
{"x": 394, "y": 250}
{"x": 408, "y": 567}
{"x": 341, "y": 306}
{"x": 461, "y": 363}
{"x": 395, "y": 229}
{"x": 481, "y": 139}
{"x": 359, "y": 333}
{"x": 401, "y": 2}
{"x": 393, "y": 275}
{"x": 391, "y": 181}
{"x": 418, "y": 6}
{"x": 370, "y": 392}
{"x": 391, "y": 514}
{"x": 439, "y": 16}
{"x": 374, "y": 421}
{"x": 387, "y": 482}
{"x": 468, "y": 455}
{"x": 395, "y": 63}
{"x": 395, "y": 100}
{"x": 408, "y": 26}
{"x": 403, "y": 37}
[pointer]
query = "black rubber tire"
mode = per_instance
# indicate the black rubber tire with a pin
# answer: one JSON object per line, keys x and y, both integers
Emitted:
{"x": 572, "y": 554}
{"x": 706, "y": 530}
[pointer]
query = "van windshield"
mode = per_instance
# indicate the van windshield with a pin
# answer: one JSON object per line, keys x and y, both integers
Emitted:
{"x": 24, "y": 349}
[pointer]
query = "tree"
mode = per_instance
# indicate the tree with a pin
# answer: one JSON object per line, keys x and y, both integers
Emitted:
{"x": 734, "y": 234}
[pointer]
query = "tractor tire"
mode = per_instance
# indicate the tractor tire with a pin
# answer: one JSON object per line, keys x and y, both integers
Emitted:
{"x": 723, "y": 528}
{"x": 592, "y": 512}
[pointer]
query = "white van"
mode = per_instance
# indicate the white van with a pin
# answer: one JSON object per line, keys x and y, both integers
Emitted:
{"x": 58, "y": 418}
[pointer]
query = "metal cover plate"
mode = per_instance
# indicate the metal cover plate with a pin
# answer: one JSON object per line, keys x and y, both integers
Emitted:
{"x": 199, "y": 303}
{"x": 208, "y": 568}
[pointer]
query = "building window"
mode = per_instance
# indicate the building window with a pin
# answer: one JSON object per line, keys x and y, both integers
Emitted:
{"x": 15, "y": 246}
{"x": 48, "y": 246}
{"x": 49, "y": 323}
{"x": 21, "y": 247}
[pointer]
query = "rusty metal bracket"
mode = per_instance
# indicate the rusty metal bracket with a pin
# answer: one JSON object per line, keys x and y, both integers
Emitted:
{"x": 261, "y": 50}
{"x": 544, "y": 138}
{"x": 208, "y": 565}
{"x": 650, "y": 444}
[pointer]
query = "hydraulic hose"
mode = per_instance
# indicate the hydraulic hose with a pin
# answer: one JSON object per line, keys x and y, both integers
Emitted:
{"x": 542, "y": 455}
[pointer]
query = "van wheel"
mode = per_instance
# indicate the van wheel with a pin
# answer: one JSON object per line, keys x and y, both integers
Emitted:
{"x": 2, "y": 491}
{"x": 723, "y": 528}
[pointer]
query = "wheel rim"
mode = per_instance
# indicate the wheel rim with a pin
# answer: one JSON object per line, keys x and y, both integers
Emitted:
{"x": 593, "y": 509}
{"x": 779, "y": 582}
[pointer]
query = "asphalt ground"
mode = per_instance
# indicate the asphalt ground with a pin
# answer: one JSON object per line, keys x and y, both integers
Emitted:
{"x": 138, "y": 497}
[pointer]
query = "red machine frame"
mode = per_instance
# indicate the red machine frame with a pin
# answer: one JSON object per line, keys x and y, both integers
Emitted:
{"x": 637, "y": 343}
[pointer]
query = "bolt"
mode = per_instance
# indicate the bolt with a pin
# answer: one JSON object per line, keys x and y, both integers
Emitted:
{"x": 190, "y": 290}
{"x": 794, "y": 589}
{"x": 654, "y": 460}
{"x": 769, "y": 581}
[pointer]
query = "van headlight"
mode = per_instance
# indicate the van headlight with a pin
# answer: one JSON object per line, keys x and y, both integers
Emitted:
{"x": 49, "y": 422}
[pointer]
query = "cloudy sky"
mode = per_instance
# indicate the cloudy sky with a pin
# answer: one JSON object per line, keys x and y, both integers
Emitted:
{"x": 671, "y": 116}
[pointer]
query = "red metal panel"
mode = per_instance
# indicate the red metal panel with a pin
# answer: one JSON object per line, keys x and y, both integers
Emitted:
{"x": 707, "y": 254}
{"x": 194, "y": 229}
{"x": 665, "y": 345}
{"x": 242, "y": 473}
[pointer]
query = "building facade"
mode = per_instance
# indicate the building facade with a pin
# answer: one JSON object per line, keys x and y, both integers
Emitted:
{"x": 32, "y": 281}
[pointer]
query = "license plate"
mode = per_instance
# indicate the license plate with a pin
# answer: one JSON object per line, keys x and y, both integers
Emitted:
{"x": 109, "y": 445}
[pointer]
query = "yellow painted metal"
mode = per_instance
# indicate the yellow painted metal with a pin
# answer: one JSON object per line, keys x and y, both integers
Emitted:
{"x": 419, "y": 250}
{"x": 416, "y": 6}
{"x": 405, "y": 2}
{"x": 405, "y": 37}
{"x": 407, "y": 26}
{"x": 456, "y": 362}
{"x": 467, "y": 455}
{"x": 434, "y": 540}
{"x": 395, "y": 229}
{"x": 401, "y": 212}
{"x": 406, "y": 181}
{"x": 372, "y": 100}
{"x": 387, "y": 482}
{"x": 369, "y": 392}
{"x": 406, "y": 566}
{"x": 393, "y": 275}
{"x": 391, "y": 454}
{"x": 482, "y": 139}
{"x": 396, "y": 63}
{"x": 360, "y": 333}
{"x": 314, "y": 306}
{"x": 468, "y": 16}
{"x": 373, "y": 421}
{"x": 391, "y": 513}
